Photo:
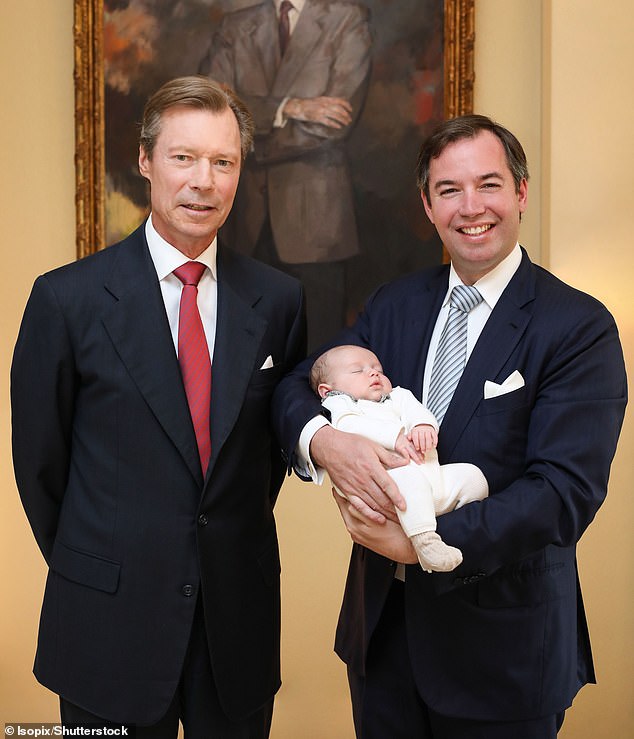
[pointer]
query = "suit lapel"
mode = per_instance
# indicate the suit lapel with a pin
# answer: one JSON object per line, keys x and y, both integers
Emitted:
{"x": 306, "y": 35}
{"x": 138, "y": 328}
{"x": 263, "y": 30}
{"x": 498, "y": 340}
{"x": 239, "y": 334}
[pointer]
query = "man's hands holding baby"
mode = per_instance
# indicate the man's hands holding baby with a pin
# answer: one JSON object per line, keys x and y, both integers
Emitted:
{"x": 357, "y": 467}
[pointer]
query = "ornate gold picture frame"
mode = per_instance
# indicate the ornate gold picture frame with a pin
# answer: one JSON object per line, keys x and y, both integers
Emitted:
{"x": 91, "y": 121}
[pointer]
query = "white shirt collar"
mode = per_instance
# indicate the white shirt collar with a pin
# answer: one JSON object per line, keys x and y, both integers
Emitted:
{"x": 167, "y": 258}
{"x": 493, "y": 284}
{"x": 297, "y": 4}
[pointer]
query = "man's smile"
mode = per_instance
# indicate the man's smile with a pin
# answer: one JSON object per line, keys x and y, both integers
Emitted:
{"x": 197, "y": 206}
{"x": 475, "y": 230}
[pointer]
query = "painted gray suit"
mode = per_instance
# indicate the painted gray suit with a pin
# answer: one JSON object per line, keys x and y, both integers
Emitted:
{"x": 298, "y": 174}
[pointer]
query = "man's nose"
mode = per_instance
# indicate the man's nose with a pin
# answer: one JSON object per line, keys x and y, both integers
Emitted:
{"x": 472, "y": 203}
{"x": 203, "y": 175}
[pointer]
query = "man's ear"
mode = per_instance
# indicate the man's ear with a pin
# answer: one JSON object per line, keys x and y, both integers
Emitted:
{"x": 143, "y": 162}
{"x": 323, "y": 389}
{"x": 427, "y": 206}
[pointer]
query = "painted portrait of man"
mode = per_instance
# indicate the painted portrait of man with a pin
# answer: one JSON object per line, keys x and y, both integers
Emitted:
{"x": 340, "y": 107}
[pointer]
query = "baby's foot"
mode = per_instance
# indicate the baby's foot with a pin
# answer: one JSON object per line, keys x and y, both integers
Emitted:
{"x": 433, "y": 554}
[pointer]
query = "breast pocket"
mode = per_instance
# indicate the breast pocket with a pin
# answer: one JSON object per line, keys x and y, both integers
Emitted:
{"x": 512, "y": 401}
{"x": 269, "y": 377}
{"x": 498, "y": 437}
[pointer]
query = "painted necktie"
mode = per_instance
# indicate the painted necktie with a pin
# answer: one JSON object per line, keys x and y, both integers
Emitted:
{"x": 285, "y": 28}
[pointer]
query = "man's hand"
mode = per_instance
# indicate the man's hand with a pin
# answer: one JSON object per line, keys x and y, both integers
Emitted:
{"x": 387, "y": 539}
{"x": 331, "y": 112}
{"x": 357, "y": 467}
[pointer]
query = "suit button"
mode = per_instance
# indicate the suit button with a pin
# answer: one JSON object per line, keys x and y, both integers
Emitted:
{"x": 203, "y": 520}
{"x": 188, "y": 590}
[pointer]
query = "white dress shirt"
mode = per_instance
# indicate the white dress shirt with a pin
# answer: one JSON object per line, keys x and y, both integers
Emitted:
{"x": 491, "y": 287}
{"x": 293, "y": 13}
{"x": 166, "y": 259}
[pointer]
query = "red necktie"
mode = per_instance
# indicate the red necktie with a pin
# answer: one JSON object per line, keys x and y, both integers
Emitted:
{"x": 285, "y": 28}
{"x": 193, "y": 357}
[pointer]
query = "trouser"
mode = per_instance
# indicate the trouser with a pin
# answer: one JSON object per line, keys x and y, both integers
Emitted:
{"x": 195, "y": 704}
{"x": 387, "y": 705}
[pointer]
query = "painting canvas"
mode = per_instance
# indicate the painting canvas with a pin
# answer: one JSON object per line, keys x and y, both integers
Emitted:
{"x": 419, "y": 70}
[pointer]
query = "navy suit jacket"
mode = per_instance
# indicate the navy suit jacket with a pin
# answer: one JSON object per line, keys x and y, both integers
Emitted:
{"x": 107, "y": 466}
{"x": 504, "y": 636}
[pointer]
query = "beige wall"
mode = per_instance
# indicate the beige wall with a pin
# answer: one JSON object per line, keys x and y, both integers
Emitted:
{"x": 558, "y": 72}
{"x": 37, "y": 220}
{"x": 589, "y": 116}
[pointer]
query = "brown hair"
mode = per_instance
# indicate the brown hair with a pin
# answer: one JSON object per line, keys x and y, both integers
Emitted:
{"x": 468, "y": 127}
{"x": 197, "y": 92}
{"x": 319, "y": 371}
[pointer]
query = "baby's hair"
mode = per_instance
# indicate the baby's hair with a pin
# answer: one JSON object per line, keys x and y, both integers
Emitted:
{"x": 319, "y": 371}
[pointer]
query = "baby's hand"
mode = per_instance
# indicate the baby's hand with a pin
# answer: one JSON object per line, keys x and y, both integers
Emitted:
{"x": 423, "y": 437}
{"x": 404, "y": 446}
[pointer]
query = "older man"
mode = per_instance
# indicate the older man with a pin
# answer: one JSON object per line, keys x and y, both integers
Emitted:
{"x": 149, "y": 487}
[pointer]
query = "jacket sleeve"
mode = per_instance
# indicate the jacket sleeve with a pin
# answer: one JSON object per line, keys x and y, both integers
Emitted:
{"x": 295, "y": 351}
{"x": 43, "y": 386}
{"x": 577, "y": 407}
{"x": 295, "y": 404}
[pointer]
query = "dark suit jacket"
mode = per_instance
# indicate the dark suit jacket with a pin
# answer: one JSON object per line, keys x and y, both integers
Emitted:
{"x": 107, "y": 467}
{"x": 297, "y": 175}
{"x": 504, "y": 636}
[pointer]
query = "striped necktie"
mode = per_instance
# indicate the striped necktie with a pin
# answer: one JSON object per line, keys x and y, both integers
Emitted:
{"x": 452, "y": 350}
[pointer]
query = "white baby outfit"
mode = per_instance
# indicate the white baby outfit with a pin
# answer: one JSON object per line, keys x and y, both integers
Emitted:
{"x": 429, "y": 489}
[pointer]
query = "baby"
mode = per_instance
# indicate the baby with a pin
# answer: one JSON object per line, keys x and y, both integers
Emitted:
{"x": 361, "y": 400}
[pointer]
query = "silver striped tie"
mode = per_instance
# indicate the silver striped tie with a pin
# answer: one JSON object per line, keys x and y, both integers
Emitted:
{"x": 452, "y": 350}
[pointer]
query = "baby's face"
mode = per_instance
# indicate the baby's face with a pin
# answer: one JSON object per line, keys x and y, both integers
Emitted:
{"x": 358, "y": 372}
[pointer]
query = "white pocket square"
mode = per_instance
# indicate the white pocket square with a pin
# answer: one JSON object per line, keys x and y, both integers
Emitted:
{"x": 268, "y": 363}
{"x": 513, "y": 382}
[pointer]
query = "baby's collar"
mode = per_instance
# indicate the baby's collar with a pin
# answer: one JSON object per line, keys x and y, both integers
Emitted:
{"x": 332, "y": 393}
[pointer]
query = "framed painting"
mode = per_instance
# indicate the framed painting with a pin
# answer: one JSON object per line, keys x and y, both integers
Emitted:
{"x": 417, "y": 57}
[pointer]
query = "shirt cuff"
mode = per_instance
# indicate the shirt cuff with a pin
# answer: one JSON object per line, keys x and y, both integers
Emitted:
{"x": 304, "y": 465}
{"x": 280, "y": 120}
